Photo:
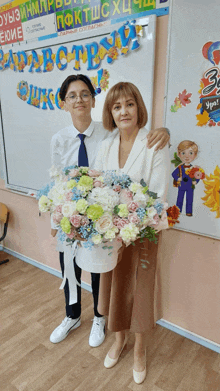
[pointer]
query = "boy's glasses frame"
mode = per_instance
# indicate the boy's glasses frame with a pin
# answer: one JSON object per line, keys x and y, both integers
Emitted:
{"x": 85, "y": 96}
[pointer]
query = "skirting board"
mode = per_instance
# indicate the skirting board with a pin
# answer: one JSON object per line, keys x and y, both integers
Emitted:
{"x": 162, "y": 322}
{"x": 46, "y": 268}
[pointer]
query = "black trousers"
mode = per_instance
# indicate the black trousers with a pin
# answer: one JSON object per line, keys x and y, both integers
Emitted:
{"x": 74, "y": 310}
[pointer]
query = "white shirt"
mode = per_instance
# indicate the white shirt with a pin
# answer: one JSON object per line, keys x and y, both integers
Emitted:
{"x": 65, "y": 144}
{"x": 65, "y": 149}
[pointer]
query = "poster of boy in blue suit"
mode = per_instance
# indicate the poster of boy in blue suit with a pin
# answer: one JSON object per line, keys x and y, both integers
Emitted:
{"x": 187, "y": 151}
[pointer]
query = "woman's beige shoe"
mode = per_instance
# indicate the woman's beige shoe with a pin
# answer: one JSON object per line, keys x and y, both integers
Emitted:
{"x": 140, "y": 376}
{"x": 111, "y": 362}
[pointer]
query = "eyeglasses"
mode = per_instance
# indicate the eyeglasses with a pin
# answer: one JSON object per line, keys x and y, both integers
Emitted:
{"x": 85, "y": 96}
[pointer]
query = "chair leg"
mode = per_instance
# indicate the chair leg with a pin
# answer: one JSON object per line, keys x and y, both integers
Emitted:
{"x": 5, "y": 261}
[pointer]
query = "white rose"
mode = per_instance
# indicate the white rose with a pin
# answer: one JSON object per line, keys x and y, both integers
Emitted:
{"x": 104, "y": 223}
{"x": 140, "y": 198}
{"x": 151, "y": 212}
{"x": 110, "y": 234}
{"x": 69, "y": 208}
{"x": 97, "y": 239}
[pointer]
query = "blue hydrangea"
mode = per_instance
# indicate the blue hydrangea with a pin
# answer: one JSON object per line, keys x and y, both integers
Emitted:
{"x": 77, "y": 194}
{"x": 111, "y": 178}
{"x": 44, "y": 190}
{"x": 88, "y": 231}
{"x": 159, "y": 207}
{"x": 61, "y": 236}
{"x": 68, "y": 168}
{"x": 141, "y": 213}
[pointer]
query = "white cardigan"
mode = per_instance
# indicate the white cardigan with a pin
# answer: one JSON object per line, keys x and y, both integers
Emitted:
{"x": 153, "y": 166}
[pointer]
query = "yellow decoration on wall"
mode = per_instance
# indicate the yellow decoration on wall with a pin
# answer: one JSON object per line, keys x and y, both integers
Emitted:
{"x": 102, "y": 52}
{"x": 212, "y": 190}
{"x": 203, "y": 118}
{"x": 30, "y": 59}
{"x": 70, "y": 56}
{"x": 84, "y": 57}
{"x": 118, "y": 42}
{"x": 40, "y": 58}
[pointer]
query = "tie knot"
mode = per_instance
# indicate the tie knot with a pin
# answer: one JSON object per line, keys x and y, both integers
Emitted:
{"x": 81, "y": 136}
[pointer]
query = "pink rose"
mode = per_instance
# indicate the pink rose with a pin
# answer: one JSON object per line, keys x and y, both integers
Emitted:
{"x": 71, "y": 235}
{"x": 57, "y": 217}
{"x": 133, "y": 218}
{"x": 74, "y": 172}
{"x": 94, "y": 173}
{"x": 97, "y": 183}
{"x": 120, "y": 223}
{"x": 84, "y": 220}
{"x": 76, "y": 220}
{"x": 58, "y": 208}
{"x": 125, "y": 196}
{"x": 132, "y": 206}
{"x": 117, "y": 188}
{"x": 156, "y": 220}
{"x": 69, "y": 196}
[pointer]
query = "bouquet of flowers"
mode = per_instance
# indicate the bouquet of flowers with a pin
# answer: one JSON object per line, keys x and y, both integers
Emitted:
{"x": 195, "y": 172}
{"x": 98, "y": 207}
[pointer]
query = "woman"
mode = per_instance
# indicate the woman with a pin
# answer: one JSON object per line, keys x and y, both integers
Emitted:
{"x": 127, "y": 293}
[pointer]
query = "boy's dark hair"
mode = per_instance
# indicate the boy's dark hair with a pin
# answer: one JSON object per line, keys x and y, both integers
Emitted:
{"x": 65, "y": 85}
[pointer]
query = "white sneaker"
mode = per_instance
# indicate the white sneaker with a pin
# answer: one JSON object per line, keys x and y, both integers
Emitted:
{"x": 64, "y": 328}
{"x": 97, "y": 334}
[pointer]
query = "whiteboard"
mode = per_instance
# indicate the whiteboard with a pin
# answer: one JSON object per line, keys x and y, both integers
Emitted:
{"x": 27, "y": 130}
{"x": 193, "y": 24}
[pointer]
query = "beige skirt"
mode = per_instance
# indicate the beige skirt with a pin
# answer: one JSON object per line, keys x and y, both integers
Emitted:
{"x": 129, "y": 294}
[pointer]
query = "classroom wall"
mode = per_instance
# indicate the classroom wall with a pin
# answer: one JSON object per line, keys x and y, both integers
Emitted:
{"x": 190, "y": 265}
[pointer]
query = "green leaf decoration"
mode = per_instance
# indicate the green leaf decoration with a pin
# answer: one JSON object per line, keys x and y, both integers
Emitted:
{"x": 110, "y": 247}
{"x": 105, "y": 247}
{"x": 174, "y": 109}
{"x": 110, "y": 253}
{"x": 176, "y": 161}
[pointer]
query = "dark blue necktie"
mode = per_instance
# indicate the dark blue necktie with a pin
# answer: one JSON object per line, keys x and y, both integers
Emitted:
{"x": 82, "y": 157}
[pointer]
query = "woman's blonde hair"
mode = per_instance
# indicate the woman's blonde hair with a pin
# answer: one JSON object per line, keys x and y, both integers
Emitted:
{"x": 187, "y": 144}
{"x": 118, "y": 90}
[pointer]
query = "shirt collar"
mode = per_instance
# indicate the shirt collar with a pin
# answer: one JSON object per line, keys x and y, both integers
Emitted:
{"x": 88, "y": 132}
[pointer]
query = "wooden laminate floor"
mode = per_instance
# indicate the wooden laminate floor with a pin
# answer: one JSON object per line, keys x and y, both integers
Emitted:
{"x": 32, "y": 305}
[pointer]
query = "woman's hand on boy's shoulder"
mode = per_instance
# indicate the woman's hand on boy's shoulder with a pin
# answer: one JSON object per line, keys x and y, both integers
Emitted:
{"x": 159, "y": 136}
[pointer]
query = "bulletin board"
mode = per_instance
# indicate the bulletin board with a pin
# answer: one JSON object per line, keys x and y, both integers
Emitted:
{"x": 31, "y": 75}
{"x": 193, "y": 114}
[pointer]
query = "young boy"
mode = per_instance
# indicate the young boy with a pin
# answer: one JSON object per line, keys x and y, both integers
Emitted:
{"x": 187, "y": 152}
{"x": 78, "y": 144}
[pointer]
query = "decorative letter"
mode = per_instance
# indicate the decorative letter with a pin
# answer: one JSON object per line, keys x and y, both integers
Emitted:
{"x": 92, "y": 50}
{"x": 61, "y": 66}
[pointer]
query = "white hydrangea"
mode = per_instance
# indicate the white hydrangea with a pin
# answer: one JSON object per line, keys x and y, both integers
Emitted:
{"x": 105, "y": 197}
